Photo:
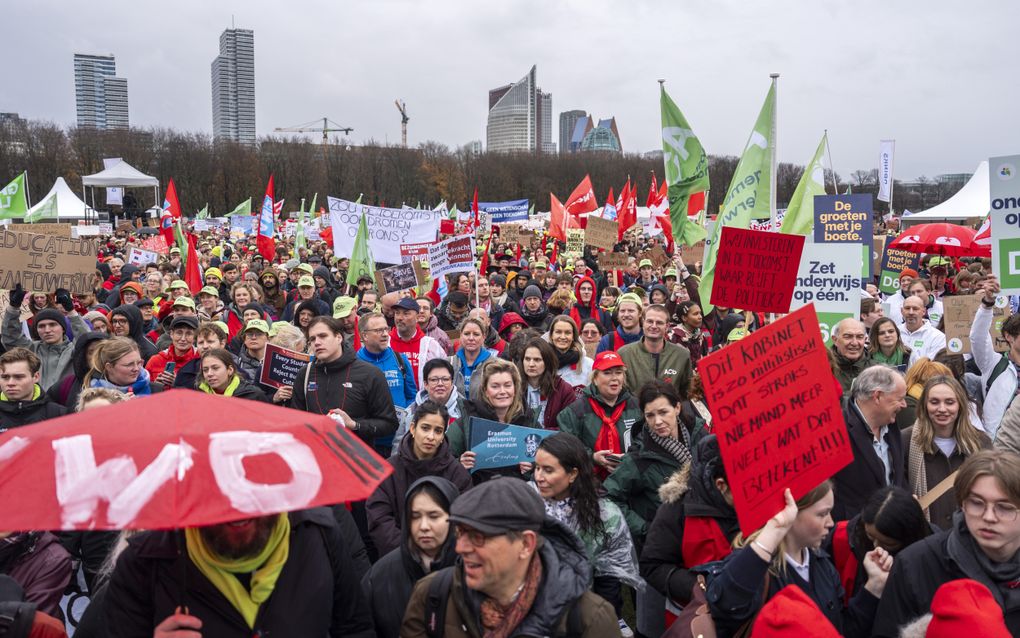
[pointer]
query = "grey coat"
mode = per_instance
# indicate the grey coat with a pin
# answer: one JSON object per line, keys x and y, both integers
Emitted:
{"x": 56, "y": 358}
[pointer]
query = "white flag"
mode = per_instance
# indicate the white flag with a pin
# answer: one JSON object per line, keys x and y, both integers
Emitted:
{"x": 114, "y": 195}
{"x": 886, "y": 151}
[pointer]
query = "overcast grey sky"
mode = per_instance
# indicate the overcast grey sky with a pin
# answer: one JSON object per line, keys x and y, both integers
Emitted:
{"x": 940, "y": 77}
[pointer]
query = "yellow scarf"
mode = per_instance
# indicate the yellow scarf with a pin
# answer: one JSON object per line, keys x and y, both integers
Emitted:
{"x": 229, "y": 392}
{"x": 265, "y": 569}
{"x": 36, "y": 393}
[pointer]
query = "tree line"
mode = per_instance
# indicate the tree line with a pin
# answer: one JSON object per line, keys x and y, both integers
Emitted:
{"x": 222, "y": 174}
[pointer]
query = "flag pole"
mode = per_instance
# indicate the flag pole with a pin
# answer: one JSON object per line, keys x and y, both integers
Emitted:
{"x": 892, "y": 179}
{"x": 828, "y": 152}
{"x": 772, "y": 172}
{"x": 28, "y": 193}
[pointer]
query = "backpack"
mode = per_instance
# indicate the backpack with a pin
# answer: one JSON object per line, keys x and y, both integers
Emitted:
{"x": 439, "y": 594}
{"x": 1000, "y": 367}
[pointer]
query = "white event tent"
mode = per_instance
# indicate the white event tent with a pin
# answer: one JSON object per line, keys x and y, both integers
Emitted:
{"x": 970, "y": 202}
{"x": 120, "y": 174}
{"x": 69, "y": 207}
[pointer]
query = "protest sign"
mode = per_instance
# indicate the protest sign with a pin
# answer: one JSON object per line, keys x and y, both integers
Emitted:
{"x": 280, "y": 366}
{"x": 575, "y": 241}
{"x": 139, "y": 256}
{"x": 5, "y": 301}
{"x": 877, "y": 250}
{"x": 504, "y": 212}
{"x": 157, "y": 244}
{"x": 241, "y": 226}
{"x": 756, "y": 270}
{"x": 85, "y": 230}
{"x": 511, "y": 233}
{"x": 105, "y": 228}
{"x": 776, "y": 414}
{"x": 1004, "y": 187}
{"x": 830, "y": 277}
{"x": 456, "y": 254}
{"x": 411, "y": 252}
{"x": 60, "y": 230}
{"x": 656, "y": 254}
{"x": 502, "y": 444}
{"x": 692, "y": 254}
{"x": 46, "y": 262}
{"x": 388, "y": 228}
{"x": 612, "y": 261}
{"x": 125, "y": 227}
{"x": 601, "y": 233}
{"x": 959, "y": 316}
{"x": 846, "y": 219}
{"x": 400, "y": 277}
{"x": 202, "y": 225}
{"x": 894, "y": 261}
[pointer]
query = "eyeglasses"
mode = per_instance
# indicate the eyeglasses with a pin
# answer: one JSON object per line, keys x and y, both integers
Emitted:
{"x": 439, "y": 380}
{"x": 974, "y": 506}
{"x": 473, "y": 536}
{"x": 119, "y": 322}
{"x": 376, "y": 330}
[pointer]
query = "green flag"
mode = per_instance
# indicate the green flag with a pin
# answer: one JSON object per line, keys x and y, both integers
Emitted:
{"x": 204, "y": 213}
{"x": 453, "y": 212}
{"x": 800, "y": 214}
{"x": 686, "y": 170}
{"x": 46, "y": 209}
{"x": 299, "y": 233}
{"x": 244, "y": 208}
{"x": 13, "y": 202}
{"x": 311, "y": 209}
{"x": 361, "y": 257}
{"x": 748, "y": 194}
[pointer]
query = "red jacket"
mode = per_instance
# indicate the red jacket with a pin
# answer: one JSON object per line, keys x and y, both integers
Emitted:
{"x": 562, "y": 396}
{"x": 159, "y": 360}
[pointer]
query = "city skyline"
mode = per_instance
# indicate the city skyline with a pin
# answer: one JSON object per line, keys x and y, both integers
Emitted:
{"x": 100, "y": 96}
{"x": 233, "y": 87}
{"x": 842, "y": 70}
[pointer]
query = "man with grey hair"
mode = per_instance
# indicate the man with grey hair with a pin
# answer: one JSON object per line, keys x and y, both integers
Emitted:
{"x": 849, "y": 347}
{"x": 878, "y": 394}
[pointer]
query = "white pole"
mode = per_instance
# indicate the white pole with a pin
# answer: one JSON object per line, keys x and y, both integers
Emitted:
{"x": 832, "y": 169}
{"x": 892, "y": 178}
{"x": 772, "y": 148}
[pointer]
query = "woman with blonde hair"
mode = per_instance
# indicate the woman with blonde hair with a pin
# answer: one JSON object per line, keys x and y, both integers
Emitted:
{"x": 918, "y": 375}
{"x": 939, "y": 442}
{"x": 117, "y": 364}
{"x": 500, "y": 399}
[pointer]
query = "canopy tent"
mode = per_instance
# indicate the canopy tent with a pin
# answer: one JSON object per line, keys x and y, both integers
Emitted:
{"x": 970, "y": 202}
{"x": 120, "y": 174}
{"x": 69, "y": 207}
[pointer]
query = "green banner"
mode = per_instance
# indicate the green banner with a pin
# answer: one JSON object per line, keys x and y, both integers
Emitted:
{"x": 686, "y": 166}
{"x": 13, "y": 202}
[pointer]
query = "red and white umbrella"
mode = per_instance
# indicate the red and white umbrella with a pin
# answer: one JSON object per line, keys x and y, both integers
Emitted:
{"x": 982, "y": 244}
{"x": 950, "y": 240}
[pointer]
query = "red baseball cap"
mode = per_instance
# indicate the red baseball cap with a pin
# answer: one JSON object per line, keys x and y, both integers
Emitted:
{"x": 607, "y": 360}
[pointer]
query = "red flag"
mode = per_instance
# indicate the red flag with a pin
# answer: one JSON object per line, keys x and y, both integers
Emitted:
{"x": 582, "y": 200}
{"x": 192, "y": 271}
{"x": 627, "y": 213}
{"x": 166, "y": 227}
{"x": 652, "y": 190}
{"x": 265, "y": 240}
{"x": 484, "y": 264}
{"x": 278, "y": 207}
{"x": 170, "y": 202}
{"x": 658, "y": 208}
{"x": 474, "y": 208}
{"x": 557, "y": 219}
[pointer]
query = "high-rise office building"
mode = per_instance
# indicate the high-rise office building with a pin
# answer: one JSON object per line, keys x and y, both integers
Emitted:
{"x": 568, "y": 119}
{"x": 520, "y": 117}
{"x": 101, "y": 98}
{"x": 233, "y": 87}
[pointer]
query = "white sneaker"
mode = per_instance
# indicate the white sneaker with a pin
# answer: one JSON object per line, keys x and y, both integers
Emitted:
{"x": 625, "y": 629}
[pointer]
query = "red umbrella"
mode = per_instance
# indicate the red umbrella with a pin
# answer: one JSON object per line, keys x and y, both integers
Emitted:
{"x": 178, "y": 459}
{"x": 938, "y": 239}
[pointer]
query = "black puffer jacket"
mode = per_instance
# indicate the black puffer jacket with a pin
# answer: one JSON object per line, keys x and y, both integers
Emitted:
{"x": 14, "y": 414}
{"x": 316, "y": 594}
{"x": 386, "y": 506}
{"x": 388, "y": 585}
{"x": 134, "y": 317}
{"x": 66, "y": 392}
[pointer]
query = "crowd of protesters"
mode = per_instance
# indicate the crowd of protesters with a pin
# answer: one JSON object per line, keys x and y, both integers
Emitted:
{"x": 623, "y": 522}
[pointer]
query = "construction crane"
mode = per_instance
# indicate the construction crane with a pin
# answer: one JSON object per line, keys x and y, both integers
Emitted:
{"x": 328, "y": 126}
{"x": 402, "y": 107}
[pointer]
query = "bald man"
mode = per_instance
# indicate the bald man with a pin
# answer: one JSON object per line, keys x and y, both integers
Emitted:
{"x": 849, "y": 341}
{"x": 918, "y": 334}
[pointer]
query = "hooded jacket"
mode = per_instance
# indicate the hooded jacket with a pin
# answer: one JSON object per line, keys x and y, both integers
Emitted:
{"x": 419, "y": 350}
{"x": 386, "y": 517}
{"x": 134, "y": 317}
{"x": 15, "y": 414}
{"x": 274, "y": 297}
{"x": 566, "y": 574}
{"x": 40, "y": 565}
{"x": 388, "y": 585}
{"x": 292, "y": 308}
{"x": 352, "y": 385}
{"x": 433, "y": 330}
{"x": 694, "y": 525}
{"x": 579, "y": 312}
{"x": 56, "y": 358}
{"x": 66, "y": 392}
{"x": 329, "y": 293}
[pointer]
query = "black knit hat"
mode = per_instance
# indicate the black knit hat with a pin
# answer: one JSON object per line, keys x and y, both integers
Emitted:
{"x": 50, "y": 314}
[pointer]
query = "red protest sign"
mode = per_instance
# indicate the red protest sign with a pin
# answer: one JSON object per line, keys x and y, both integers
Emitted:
{"x": 776, "y": 412}
{"x": 411, "y": 252}
{"x": 156, "y": 244}
{"x": 756, "y": 270}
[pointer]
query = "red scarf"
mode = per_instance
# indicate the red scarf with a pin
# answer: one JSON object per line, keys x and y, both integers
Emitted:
{"x": 703, "y": 541}
{"x": 608, "y": 438}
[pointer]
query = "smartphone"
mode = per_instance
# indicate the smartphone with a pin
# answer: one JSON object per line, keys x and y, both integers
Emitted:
{"x": 170, "y": 365}
{"x": 615, "y": 458}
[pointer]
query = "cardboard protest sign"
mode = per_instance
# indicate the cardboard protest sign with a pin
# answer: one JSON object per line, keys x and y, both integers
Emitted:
{"x": 157, "y": 244}
{"x": 601, "y": 233}
{"x": 612, "y": 261}
{"x": 959, "y": 316}
{"x": 502, "y": 444}
{"x": 510, "y": 233}
{"x": 894, "y": 261}
{"x": 46, "y": 262}
{"x": 139, "y": 256}
{"x": 877, "y": 251}
{"x": 829, "y": 277}
{"x": 656, "y": 254}
{"x": 60, "y": 230}
{"x": 412, "y": 252}
{"x": 776, "y": 414}
{"x": 280, "y": 366}
{"x": 400, "y": 277}
{"x": 5, "y": 302}
{"x": 756, "y": 270}
{"x": 1004, "y": 188}
{"x": 456, "y": 254}
{"x": 692, "y": 254}
{"x": 388, "y": 228}
{"x": 125, "y": 227}
{"x": 575, "y": 241}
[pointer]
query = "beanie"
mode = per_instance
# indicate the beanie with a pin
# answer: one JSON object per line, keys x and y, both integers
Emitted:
{"x": 965, "y": 607}
{"x": 792, "y": 613}
{"x": 532, "y": 291}
{"x": 50, "y": 314}
{"x": 908, "y": 272}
